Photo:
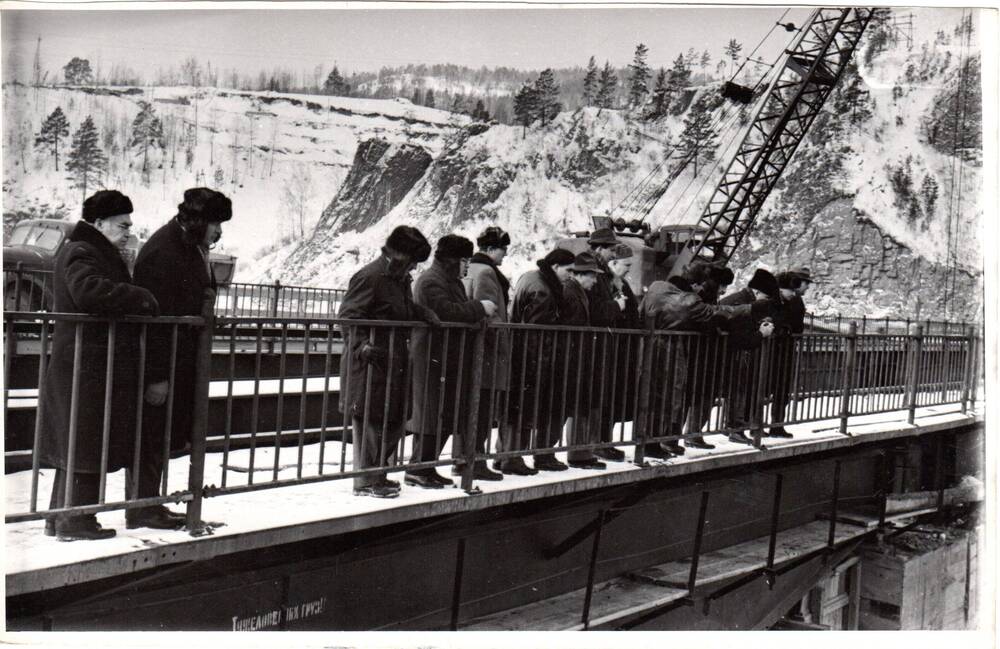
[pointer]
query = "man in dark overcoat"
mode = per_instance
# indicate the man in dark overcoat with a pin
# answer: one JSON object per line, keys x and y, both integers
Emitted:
{"x": 485, "y": 281}
{"x": 533, "y": 401}
{"x": 789, "y": 321}
{"x": 742, "y": 357}
{"x": 91, "y": 277}
{"x": 442, "y": 364}
{"x": 375, "y": 359}
{"x": 677, "y": 305}
{"x": 174, "y": 266}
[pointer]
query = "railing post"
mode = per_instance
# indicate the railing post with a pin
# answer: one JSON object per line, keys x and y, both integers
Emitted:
{"x": 276, "y": 297}
{"x": 642, "y": 411}
{"x": 472, "y": 427}
{"x": 848, "y": 378}
{"x": 199, "y": 423}
{"x": 913, "y": 372}
{"x": 17, "y": 285}
{"x": 758, "y": 389}
{"x": 974, "y": 369}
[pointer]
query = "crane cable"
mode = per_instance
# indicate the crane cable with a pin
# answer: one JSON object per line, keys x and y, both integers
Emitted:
{"x": 772, "y": 71}
{"x": 718, "y": 165}
{"x": 633, "y": 197}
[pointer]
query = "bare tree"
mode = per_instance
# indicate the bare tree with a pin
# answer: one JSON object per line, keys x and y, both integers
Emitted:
{"x": 297, "y": 191}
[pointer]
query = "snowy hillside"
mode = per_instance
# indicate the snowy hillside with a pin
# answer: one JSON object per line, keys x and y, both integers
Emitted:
{"x": 854, "y": 204}
{"x": 281, "y": 158}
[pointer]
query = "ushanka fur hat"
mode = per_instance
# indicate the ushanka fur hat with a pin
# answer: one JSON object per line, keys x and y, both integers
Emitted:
{"x": 493, "y": 237}
{"x": 409, "y": 241}
{"x": 206, "y": 205}
{"x": 105, "y": 204}
{"x": 452, "y": 246}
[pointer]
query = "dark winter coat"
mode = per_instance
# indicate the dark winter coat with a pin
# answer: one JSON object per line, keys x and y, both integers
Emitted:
{"x": 91, "y": 277}
{"x": 378, "y": 291}
{"x": 673, "y": 305}
{"x": 579, "y": 347}
{"x": 604, "y": 311}
{"x": 619, "y": 400}
{"x": 538, "y": 299}
{"x": 486, "y": 282}
{"x": 440, "y": 290}
{"x": 176, "y": 273}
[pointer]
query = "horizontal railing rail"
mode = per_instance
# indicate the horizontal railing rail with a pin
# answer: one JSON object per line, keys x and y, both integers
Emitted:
{"x": 359, "y": 399}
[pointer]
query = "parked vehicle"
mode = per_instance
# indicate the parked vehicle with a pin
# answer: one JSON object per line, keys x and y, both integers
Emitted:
{"x": 29, "y": 256}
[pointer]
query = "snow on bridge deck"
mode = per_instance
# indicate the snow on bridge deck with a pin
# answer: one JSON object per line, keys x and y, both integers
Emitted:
{"x": 287, "y": 514}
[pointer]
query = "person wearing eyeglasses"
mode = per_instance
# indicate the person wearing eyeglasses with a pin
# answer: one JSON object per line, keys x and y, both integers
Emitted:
{"x": 90, "y": 277}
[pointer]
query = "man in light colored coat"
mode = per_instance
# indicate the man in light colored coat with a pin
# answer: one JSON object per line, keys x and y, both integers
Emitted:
{"x": 485, "y": 281}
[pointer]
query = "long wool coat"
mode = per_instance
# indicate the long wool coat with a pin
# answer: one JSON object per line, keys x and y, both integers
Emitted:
{"x": 486, "y": 282}
{"x": 534, "y": 374}
{"x": 175, "y": 272}
{"x": 378, "y": 291}
{"x": 435, "y": 367}
{"x": 91, "y": 277}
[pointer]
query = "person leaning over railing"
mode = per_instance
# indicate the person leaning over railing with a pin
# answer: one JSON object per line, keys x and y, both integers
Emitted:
{"x": 789, "y": 321}
{"x": 534, "y": 398}
{"x": 677, "y": 305}
{"x": 380, "y": 291}
{"x": 486, "y": 281}
{"x": 174, "y": 266}
{"x": 443, "y": 362}
{"x": 745, "y": 336}
{"x": 91, "y": 277}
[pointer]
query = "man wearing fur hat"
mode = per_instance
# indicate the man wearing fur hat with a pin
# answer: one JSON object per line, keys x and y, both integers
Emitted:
{"x": 485, "y": 281}
{"x": 374, "y": 363}
{"x": 174, "y": 266}
{"x": 443, "y": 361}
{"x": 91, "y": 277}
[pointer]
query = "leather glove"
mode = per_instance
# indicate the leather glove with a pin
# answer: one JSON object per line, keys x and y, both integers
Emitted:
{"x": 431, "y": 318}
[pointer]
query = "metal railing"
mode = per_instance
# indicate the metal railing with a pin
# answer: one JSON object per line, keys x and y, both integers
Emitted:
{"x": 30, "y": 289}
{"x": 432, "y": 397}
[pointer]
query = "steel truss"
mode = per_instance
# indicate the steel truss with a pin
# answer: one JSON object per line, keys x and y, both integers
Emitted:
{"x": 811, "y": 70}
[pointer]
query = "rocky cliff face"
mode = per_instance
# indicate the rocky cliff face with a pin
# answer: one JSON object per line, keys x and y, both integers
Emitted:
{"x": 871, "y": 202}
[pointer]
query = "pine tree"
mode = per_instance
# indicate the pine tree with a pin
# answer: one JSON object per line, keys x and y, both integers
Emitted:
{"x": 54, "y": 128}
{"x": 698, "y": 140}
{"x": 336, "y": 85}
{"x": 479, "y": 113}
{"x": 929, "y": 192}
{"x": 525, "y": 106}
{"x": 680, "y": 74}
{"x": 86, "y": 160}
{"x": 706, "y": 60}
{"x": 77, "y": 71}
{"x": 590, "y": 83}
{"x": 147, "y": 131}
{"x": 638, "y": 84}
{"x": 429, "y": 98}
{"x": 732, "y": 51}
{"x": 661, "y": 96}
{"x": 547, "y": 93}
{"x": 415, "y": 100}
{"x": 606, "y": 87}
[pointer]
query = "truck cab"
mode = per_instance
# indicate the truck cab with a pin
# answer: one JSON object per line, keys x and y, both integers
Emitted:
{"x": 29, "y": 258}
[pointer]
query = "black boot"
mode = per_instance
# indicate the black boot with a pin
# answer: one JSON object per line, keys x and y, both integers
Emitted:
{"x": 157, "y": 517}
{"x": 81, "y": 528}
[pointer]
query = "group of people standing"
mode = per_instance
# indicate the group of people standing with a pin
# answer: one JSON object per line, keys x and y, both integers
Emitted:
{"x": 536, "y": 384}
{"x": 88, "y": 423}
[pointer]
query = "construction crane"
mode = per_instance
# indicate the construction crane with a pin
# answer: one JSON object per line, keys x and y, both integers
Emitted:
{"x": 811, "y": 69}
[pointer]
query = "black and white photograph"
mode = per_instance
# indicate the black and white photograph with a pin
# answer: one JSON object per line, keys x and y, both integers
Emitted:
{"x": 498, "y": 317}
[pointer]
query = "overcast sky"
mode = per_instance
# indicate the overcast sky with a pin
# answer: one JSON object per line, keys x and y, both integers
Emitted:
{"x": 367, "y": 39}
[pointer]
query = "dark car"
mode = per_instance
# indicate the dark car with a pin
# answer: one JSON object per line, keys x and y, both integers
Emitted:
{"x": 29, "y": 256}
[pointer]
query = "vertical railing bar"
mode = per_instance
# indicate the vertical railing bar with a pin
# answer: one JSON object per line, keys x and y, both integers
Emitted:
{"x": 389, "y": 371}
{"x": 303, "y": 396}
{"x": 36, "y": 442}
{"x": 345, "y": 388}
{"x": 133, "y": 488}
{"x": 229, "y": 404}
{"x": 255, "y": 404}
{"x": 109, "y": 386}
{"x": 74, "y": 412}
{"x": 279, "y": 417}
{"x": 169, "y": 405}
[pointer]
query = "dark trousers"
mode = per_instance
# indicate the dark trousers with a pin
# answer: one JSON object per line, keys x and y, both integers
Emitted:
{"x": 367, "y": 445}
{"x": 782, "y": 366}
{"x": 86, "y": 490}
